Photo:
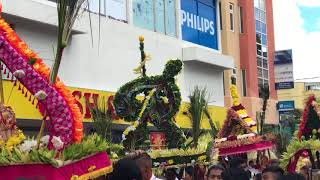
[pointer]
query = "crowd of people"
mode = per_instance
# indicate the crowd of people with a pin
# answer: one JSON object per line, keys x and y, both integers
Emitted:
{"x": 138, "y": 166}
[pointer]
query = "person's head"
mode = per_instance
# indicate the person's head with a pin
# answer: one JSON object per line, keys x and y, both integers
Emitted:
{"x": 144, "y": 162}
{"x": 294, "y": 176}
{"x": 251, "y": 163}
{"x": 171, "y": 174}
{"x": 272, "y": 173}
{"x": 237, "y": 162}
{"x": 188, "y": 173}
{"x": 304, "y": 170}
{"x": 132, "y": 171}
{"x": 215, "y": 172}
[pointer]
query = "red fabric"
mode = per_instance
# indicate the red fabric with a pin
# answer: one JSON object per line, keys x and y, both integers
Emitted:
{"x": 246, "y": 148}
{"x": 304, "y": 118}
{"x": 48, "y": 172}
{"x": 291, "y": 168}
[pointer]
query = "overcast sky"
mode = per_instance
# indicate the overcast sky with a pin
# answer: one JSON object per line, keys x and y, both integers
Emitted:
{"x": 297, "y": 27}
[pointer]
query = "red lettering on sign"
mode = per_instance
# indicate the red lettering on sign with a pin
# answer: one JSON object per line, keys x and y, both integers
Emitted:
{"x": 89, "y": 104}
{"x": 78, "y": 96}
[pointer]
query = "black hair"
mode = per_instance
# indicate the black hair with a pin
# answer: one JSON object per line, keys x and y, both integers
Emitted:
{"x": 274, "y": 169}
{"x": 128, "y": 166}
{"x": 251, "y": 161}
{"x": 215, "y": 167}
{"x": 189, "y": 170}
{"x": 294, "y": 176}
{"x": 236, "y": 162}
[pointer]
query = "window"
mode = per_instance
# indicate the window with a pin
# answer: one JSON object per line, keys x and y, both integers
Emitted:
{"x": 155, "y": 15}
{"x": 97, "y": 7}
{"x": 220, "y": 15}
{"x": 244, "y": 82}
{"x": 231, "y": 17}
{"x": 114, "y": 9}
{"x": 261, "y": 43}
{"x": 241, "y": 19}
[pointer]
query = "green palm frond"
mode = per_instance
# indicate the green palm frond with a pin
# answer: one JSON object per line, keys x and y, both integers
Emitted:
{"x": 198, "y": 104}
{"x": 68, "y": 11}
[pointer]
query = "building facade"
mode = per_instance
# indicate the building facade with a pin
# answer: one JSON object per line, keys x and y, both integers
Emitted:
{"x": 101, "y": 56}
{"x": 249, "y": 32}
{"x": 210, "y": 37}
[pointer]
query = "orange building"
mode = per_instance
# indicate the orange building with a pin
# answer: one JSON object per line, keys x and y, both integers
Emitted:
{"x": 248, "y": 35}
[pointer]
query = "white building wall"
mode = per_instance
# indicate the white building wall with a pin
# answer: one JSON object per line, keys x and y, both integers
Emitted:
{"x": 111, "y": 65}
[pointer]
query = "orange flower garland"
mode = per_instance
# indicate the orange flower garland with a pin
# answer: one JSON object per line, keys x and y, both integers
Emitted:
{"x": 44, "y": 71}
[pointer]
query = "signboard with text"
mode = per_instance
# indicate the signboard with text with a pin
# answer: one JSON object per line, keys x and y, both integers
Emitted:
{"x": 284, "y": 106}
{"x": 283, "y": 70}
{"x": 198, "y": 22}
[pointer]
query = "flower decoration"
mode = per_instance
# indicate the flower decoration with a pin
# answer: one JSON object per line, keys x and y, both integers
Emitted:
{"x": 19, "y": 73}
{"x": 27, "y": 145}
{"x": 57, "y": 142}
{"x": 43, "y": 71}
{"x": 40, "y": 95}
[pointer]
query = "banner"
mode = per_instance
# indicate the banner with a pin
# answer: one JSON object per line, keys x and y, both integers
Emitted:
{"x": 198, "y": 22}
{"x": 284, "y": 106}
{"x": 283, "y": 70}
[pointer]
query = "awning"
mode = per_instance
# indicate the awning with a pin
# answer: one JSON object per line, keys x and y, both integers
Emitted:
{"x": 210, "y": 57}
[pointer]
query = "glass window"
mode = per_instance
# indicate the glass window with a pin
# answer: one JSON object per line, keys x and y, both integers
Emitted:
{"x": 263, "y": 28}
{"x": 231, "y": 17}
{"x": 244, "y": 82}
{"x": 257, "y": 13}
{"x": 241, "y": 19}
{"x": 143, "y": 14}
{"x": 259, "y": 50}
{"x": 116, "y": 9}
{"x": 155, "y": 15}
{"x": 259, "y": 62}
{"x": 265, "y": 63}
{"x": 159, "y": 16}
{"x": 263, "y": 39}
{"x": 262, "y": 4}
{"x": 266, "y": 83}
{"x": 256, "y": 3}
{"x": 258, "y": 26}
{"x": 264, "y": 51}
{"x": 97, "y": 7}
{"x": 260, "y": 72}
{"x": 260, "y": 82}
{"x": 220, "y": 15}
{"x": 258, "y": 38}
{"x": 262, "y": 16}
{"x": 170, "y": 15}
{"x": 265, "y": 74}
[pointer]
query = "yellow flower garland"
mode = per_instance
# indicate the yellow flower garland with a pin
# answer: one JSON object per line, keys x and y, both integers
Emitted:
{"x": 14, "y": 140}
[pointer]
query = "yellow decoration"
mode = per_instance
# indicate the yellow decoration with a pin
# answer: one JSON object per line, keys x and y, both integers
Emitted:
{"x": 91, "y": 168}
{"x": 143, "y": 63}
{"x": 170, "y": 161}
{"x": 141, "y": 38}
{"x": 234, "y": 95}
{"x": 202, "y": 158}
{"x": 94, "y": 174}
{"x": 165, "y": 99}
{"x": 15, "y": 140}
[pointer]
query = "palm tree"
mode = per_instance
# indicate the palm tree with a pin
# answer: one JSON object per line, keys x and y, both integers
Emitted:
{"x": 198, "y": 104}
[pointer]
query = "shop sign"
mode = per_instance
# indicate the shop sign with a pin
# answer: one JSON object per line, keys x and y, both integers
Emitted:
{"x": 198, "y": 22}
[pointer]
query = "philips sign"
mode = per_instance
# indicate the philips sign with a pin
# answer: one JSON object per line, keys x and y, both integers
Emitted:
{"x": 198, "y": 22}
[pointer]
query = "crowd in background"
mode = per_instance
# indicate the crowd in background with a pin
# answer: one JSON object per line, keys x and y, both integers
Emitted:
{"x": 138, "y": 166}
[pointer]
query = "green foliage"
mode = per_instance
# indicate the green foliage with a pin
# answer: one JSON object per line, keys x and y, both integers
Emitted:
{"x": 159, "y": 112}
{"x": 197, "y": 107}
{"x": 90, "y": 145}
{"x": 294, "y": 146}
{"x": 102, "y": 120}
